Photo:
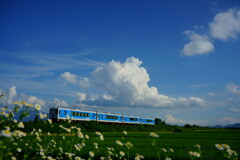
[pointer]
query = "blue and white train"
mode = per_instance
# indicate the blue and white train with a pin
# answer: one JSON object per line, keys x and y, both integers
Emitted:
{"x": 57, "y": 114}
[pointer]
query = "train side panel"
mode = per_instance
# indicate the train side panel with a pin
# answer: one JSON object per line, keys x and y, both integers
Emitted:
{"x": 148, "y": 121}
{"x": 76, "y": 115}
{"x": 108, "y": 117}
{"x": 131, "y": 120}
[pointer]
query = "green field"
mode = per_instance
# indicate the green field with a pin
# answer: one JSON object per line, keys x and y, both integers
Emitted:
{"x": 43, "y": 139}
{"x": 143, "y": 144}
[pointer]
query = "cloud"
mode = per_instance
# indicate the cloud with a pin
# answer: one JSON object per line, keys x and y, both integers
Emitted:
{"x": 226, "y": 25}
{"x": 172, "y": 120}
{"x": 198, "y": 45}
{"x": 234, "y": 110}
{"x": 71, "y": 78}
{"x": 233, "y": 88}
{"x": 11, "y": 94}
{"x": 127, "y": 85}
{"x": 81, "y": 97}
{"x": 212, "y": 94}
{"x": 228, "y": 120}
{"x": 84, "y": 82}
{"x": 59, "y": 103}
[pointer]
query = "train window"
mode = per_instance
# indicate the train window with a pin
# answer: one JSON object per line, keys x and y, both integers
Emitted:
{"x": 111, "y": 117}
{"x": 148, "y": 120}
{"x": 133, "y": 119}
{"x": 59, "y": 112}
{"x": 65, "y": 112}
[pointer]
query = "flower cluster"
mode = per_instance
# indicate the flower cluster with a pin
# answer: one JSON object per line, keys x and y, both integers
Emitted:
{"x": 227, "y": 151}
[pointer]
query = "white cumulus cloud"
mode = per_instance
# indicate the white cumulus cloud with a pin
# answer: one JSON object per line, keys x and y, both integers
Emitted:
{"x": 11, "y": 94}
{"x": 32, "y": 99}
{"x": 233, "y": 88}
{"x": 198, "y": 45}
{"x": 84, "y": 82}
{"x": 81, "y": 97}
{"x": 70, "y": 78}
{"x": 127, "y": 84}
{"x": 172, "y": 120}
{"x": 226, "y": 25}
{"x": 59, "y": 103}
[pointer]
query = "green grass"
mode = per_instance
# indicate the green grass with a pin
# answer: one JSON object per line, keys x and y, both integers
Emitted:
{"x": 181, "y": 143}
{"x": 40, "y": 145}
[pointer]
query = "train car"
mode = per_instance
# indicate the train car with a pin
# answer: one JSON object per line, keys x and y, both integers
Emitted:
{"x": 131, "y": 120}
{"x": 109, "y": 117}
{"x": 73, "y": 114}
{"x": 150, "y": 121}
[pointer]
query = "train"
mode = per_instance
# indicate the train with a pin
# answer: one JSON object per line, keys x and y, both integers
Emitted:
{"x": 58, "y": 114}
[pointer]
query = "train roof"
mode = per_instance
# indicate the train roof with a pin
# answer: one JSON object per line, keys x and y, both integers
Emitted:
{"x": 73, "y": 109}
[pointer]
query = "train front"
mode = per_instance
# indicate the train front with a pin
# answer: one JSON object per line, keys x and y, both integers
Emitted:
{"x": 53, "y": 114}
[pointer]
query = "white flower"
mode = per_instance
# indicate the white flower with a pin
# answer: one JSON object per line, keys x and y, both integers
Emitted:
{"x": 19, "y": 149}
{"x": 91, "y": 154}
{"x": 122, "y": 153}
{"x": 69, "y": 154}
{"x": 80, "y": 135}
{"x": 86, "y": 136}
{"x": 13, "y": 158}
{"x": 164, "y": 150}
{"x": 219, "y": 146}
{"x": 98, "y": 133}
{"x": 50, "y": 121}
{"x": 167, "y": 158}
{"x": 38, "y": 107}
{"x": 77, "y": 158}
{"x": 152, "y": 134}
{"x": 226, "y": 146}
{"x": 129, "y": 145}
{"x": 196, "y": 154}
{"x": 198, "y": 146}
{"x": 20, "y": 125}
{"x": 41, "y": 116}
{"x": 119, "y": 142}
{"x": 101, "y": 138}
{"x": 125, "y": 132}
{"x": 6, "y": 133}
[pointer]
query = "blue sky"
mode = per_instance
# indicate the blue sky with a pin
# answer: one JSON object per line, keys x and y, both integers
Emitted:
{"x": 175, "y": 60}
